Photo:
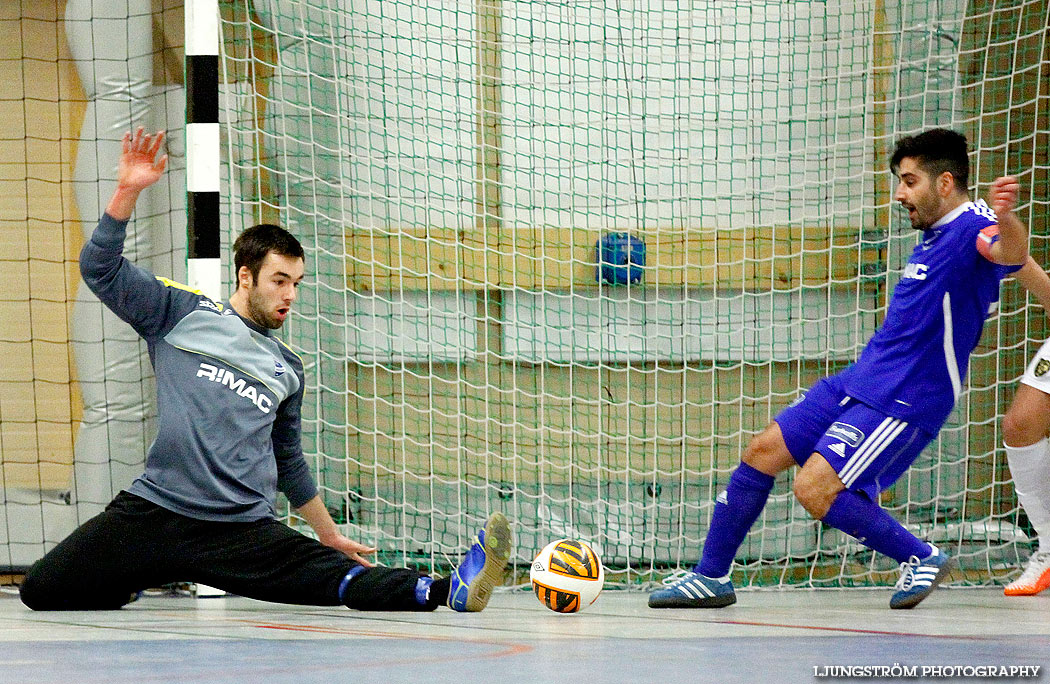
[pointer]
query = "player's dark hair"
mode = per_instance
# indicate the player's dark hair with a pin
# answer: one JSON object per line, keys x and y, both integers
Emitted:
{"x": 936, "y": 151}
{"x": 252, "y": 246}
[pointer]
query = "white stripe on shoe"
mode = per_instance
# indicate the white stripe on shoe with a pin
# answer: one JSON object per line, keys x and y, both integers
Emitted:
{"x": 703, "y": 587}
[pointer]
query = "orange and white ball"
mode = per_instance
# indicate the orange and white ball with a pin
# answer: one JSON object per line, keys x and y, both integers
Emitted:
{"x": 567, "y": 576}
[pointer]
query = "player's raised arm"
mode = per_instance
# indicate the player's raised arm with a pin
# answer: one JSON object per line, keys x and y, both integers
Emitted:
{"x": 1036, "y": 281}
{"x": 1012, "y": 246}
{"x": 132, "y": 293}
{"x": 139, "y": 168}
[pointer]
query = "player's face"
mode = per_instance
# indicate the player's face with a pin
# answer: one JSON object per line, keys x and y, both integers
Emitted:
{"x": 271, "y": 296}
{"x": 917, "y": 193}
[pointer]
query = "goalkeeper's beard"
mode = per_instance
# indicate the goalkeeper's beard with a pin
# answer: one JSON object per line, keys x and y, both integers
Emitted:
{"x": 260, "y": 310}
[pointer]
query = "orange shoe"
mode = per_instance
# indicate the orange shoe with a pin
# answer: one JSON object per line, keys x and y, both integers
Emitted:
{"x": 1034, "y": 579}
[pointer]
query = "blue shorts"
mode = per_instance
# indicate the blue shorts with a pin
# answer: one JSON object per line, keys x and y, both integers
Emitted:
{"x": 867, "y": 448}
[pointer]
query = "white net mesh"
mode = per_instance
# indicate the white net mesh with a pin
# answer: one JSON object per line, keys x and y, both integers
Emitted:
{"x": 451, "y": 166}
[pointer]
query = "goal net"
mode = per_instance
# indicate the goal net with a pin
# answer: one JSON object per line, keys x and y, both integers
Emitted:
{"x": 451, "y": 167}
{"x": 454, "y": 169}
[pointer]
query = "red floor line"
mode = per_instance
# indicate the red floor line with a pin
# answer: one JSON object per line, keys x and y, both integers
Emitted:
{"x": 508, "y": 648}
{"x": 851, "y": 630}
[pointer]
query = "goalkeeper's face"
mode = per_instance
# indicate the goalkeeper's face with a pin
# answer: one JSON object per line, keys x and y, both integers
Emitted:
{"x": 271, "y": 295}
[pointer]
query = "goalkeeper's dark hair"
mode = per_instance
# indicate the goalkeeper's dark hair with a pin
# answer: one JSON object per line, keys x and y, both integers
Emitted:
{"x": 936, "y": 151}
{"x": 252, "y": 246}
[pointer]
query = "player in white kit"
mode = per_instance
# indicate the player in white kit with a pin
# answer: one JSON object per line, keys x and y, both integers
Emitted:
{"x": 1025, "y": 429}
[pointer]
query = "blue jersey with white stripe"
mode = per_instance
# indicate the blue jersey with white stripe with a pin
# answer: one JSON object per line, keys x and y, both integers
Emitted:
{"x": 914, "y": 365}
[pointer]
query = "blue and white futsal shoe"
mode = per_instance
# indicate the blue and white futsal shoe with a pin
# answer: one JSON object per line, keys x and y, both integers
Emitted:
{"x": 920, "y": 577}
{"x": 482, "y": 567}
{"x": 694, "y": 590}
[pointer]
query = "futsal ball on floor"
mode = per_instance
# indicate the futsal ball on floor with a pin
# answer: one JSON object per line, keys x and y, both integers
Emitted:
{"x": 567, "y": 576}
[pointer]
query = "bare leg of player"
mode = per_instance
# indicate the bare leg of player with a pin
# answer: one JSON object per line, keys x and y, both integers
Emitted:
{"x": 1024, "y": 436}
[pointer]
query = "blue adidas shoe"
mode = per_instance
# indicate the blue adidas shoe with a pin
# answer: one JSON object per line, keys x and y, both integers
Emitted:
{"x": 920, "y": 577}
{"x": 482, "y": 567}
{"x": 695, "y": 591}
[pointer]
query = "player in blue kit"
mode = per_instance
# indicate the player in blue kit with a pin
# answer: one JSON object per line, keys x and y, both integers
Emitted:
{"x": 855, "y": 433}
{"x": 229, "y": 396}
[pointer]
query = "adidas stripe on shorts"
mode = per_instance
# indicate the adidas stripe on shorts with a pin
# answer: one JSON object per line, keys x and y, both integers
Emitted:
{"x": 867, "y": 448}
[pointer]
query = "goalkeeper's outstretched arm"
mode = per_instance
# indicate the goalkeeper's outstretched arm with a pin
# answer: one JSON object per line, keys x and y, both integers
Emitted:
{"x": 139, "y": 168}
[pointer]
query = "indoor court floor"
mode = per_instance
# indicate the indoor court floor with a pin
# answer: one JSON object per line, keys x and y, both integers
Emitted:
{"x": 768, "y": 636}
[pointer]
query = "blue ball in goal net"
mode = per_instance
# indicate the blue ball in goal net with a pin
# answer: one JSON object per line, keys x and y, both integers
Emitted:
{"x": 620, "y": 259}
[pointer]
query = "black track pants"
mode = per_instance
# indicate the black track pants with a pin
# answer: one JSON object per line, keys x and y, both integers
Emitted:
{"x": 135, "y": 544}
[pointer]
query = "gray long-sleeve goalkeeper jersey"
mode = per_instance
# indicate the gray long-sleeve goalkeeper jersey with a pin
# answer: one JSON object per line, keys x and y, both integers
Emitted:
{"x": 229, "y": 394}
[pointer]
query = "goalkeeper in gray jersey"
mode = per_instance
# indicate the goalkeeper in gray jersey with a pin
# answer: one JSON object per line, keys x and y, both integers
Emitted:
{"x": 229, "y": 395}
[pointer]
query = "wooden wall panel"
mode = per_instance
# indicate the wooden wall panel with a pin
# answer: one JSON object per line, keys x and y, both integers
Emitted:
{"x": 782, "y": 257}
{"x": 41, "y": 106}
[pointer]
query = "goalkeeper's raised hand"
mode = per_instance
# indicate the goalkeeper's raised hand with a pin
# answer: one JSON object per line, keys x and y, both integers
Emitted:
{"x": 139, "y": 167}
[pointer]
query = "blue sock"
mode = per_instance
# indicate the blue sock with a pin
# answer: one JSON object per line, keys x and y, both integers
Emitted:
{"x": 736, "y": 510}
{"x": 350, "y": 577}
{"x": 871, "y": 525}
{"x": 423, "y": 585}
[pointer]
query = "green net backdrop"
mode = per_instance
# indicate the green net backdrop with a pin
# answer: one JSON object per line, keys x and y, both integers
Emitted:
{"x": 449, "y": 166}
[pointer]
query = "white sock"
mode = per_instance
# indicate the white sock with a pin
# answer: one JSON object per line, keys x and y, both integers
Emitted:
{"x": 1030, "y": 469}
